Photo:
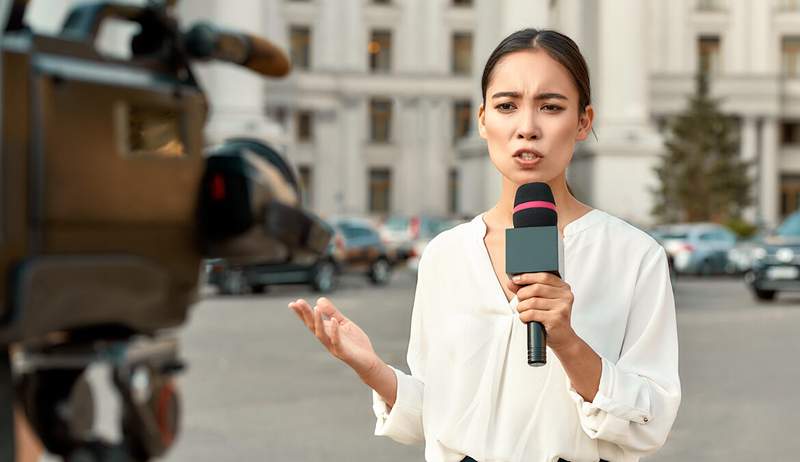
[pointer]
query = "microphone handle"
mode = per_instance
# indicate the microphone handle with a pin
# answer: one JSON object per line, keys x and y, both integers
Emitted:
{"x": 537, "y": 344}
{"x": 537, "y": 340}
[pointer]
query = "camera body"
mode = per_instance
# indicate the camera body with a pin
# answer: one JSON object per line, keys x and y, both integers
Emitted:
{"x": 101, "y": 166}
{"x": 109, "y": 201}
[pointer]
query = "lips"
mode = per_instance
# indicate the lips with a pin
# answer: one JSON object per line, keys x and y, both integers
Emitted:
{"x": 527, "y": 158}
{"x": 527, "y": 152}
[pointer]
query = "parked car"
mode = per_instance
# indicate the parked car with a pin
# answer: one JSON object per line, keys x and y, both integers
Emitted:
{"x": 697, "y": 248}
{"x": 399, "y": 233}
{"x": 742, "y": 255}
{"x": 355, "y": 247}
{"x": 363, "y": 250}
{"x": 425, "y": 236}
{"x": 776, "y": 261}
{"x": 670, "y": 259}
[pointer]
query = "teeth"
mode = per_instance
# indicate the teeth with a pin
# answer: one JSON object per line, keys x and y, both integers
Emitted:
{"x": 527, "y": 156}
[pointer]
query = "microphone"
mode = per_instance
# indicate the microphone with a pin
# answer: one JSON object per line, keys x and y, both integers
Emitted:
{"x": 533, "y": 246}
{"x": 205, "y": 41}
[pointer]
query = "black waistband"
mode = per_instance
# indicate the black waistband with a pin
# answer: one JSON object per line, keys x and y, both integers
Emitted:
{"x": 470, "y": 459}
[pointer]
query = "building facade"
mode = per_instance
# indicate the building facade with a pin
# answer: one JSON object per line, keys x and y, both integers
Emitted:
{"x": 380, "y": 112}
{"x": 378, "y": 115}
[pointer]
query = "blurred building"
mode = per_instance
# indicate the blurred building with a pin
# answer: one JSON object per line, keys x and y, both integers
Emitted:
{"x": 378, "y": 114}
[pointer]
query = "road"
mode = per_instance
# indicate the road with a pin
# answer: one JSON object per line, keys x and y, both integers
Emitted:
{"x": 260, "y": 387}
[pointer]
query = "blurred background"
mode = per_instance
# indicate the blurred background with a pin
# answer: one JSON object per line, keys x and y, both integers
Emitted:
{"x": 698, "y": 143}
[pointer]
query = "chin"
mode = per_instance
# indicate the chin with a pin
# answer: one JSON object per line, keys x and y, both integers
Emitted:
{"x": 529, "y": 176}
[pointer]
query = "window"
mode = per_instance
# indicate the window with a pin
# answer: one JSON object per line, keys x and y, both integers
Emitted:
{"x": 380, "y": 120}
{"x": 380, "y": 188}
{"x": 305, "y": 127}
{"x": 790, "y": 54}
{"x": 710, "y": 5}
{"x": 452, "y": 189}
{"x": 708, "y": 51}
{"x": 462, "y": 118}
{"x": 380, "y": 51}
{"x": 790, "y": 202}
{"x": 462, "y": 53}
{"x": 305, "y": 184}
{"x": 790, "y": 133}
{"x": 300, "y": 46}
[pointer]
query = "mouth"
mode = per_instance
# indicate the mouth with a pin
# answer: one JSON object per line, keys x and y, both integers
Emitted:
{"x": 527, "y": 157}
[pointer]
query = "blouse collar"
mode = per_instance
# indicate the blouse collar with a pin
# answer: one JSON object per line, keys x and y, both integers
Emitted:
{"x": 574, "y": 227}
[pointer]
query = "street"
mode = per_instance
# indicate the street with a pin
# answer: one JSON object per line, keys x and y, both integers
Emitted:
{"x": 260, "y": 387}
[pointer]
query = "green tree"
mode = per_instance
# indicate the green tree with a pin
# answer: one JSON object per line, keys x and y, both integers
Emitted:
{"x": 701, "y": 175}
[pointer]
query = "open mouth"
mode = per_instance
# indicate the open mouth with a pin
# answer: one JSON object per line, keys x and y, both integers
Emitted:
{"x": 527, "y": 157}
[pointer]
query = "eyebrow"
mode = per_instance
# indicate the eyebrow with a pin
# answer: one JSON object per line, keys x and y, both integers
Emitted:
{"x": 540, "y": 96}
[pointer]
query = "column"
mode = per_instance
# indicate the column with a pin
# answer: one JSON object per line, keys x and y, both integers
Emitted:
{"x": 328, "y": 168}
{"x": 769, "y": 188}
{"x": 434, "y": 163}
{"x": 353, "y": 176}
{"x": 749, "y": 153}
{"x": 407, "y": 196}
{"x": 623, "y": 159}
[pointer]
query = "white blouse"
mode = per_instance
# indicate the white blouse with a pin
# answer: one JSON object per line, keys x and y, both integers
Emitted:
{"x": 471, "y": 390}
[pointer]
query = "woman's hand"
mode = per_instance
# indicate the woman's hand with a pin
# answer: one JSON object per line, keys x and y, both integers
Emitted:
{"x": 547, "y": 299}
{"x": 340, "y": 336}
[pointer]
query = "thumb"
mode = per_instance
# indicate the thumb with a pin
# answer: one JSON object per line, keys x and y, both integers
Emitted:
{"x": 328, "y": 309}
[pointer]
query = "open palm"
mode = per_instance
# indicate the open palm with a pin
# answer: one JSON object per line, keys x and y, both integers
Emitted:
{"x": 340, "y": 336}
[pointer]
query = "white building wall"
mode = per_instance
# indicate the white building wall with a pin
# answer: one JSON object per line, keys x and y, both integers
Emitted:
{"x": 642, "y": 56}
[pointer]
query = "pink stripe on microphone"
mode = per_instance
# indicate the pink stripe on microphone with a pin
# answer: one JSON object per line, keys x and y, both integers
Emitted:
{"x": 535, "y": 204}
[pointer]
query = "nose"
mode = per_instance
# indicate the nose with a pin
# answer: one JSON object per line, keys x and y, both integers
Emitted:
{"x": 528, "y": 128}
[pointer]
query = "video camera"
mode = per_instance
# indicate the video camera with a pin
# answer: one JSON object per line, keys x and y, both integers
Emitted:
{"x": 108, "y": 204}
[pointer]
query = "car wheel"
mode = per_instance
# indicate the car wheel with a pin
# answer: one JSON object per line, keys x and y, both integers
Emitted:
{"x": 234, "y": 283}
{"x": 324, "y": 280}
{"x": 765, "y": 294}
{"x": 705, "y": 268}
{"x": 380, "y": 271}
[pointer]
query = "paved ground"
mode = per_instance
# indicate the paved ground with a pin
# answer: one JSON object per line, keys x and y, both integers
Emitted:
{"x": 260, "y": 388}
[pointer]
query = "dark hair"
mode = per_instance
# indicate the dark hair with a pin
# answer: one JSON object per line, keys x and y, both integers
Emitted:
{"x": 557, "y": 45}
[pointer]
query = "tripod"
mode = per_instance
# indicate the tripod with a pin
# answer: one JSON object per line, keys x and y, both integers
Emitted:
{"x": 54, "y": 393}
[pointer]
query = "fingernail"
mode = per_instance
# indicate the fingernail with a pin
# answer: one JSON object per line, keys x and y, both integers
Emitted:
{"x": 516, "y": 278}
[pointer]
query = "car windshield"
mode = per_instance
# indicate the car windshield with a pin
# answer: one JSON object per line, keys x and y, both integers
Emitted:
{"x": 790, "y": 226}
{"x": 396, "y": 223}
{"x": 351, "y": 231}
{"x": 674, "y": 236}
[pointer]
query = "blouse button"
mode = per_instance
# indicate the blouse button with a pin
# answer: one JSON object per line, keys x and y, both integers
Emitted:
{"x": 645, "y": 419}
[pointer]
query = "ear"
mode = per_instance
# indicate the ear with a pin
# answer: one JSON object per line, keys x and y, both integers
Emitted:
{"x": 482, "y": 121}
{"x": 585, "y": 123}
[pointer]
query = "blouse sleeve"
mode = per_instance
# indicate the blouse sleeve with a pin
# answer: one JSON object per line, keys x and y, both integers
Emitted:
{"x": 638, "y": 397}
{"x": 403, "y": 422}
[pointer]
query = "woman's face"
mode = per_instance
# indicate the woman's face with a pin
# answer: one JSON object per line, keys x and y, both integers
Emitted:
{"x": 531, "y": 120}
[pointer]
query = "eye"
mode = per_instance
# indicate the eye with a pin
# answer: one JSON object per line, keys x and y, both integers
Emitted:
{"x": 505, "y": 107}
{"x": 551, "y": 108}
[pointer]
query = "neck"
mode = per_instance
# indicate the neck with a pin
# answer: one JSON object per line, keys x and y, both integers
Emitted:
{"x": 568, "y": 207}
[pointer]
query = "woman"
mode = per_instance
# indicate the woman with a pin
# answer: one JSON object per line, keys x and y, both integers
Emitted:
{"x": 610, "y": 389}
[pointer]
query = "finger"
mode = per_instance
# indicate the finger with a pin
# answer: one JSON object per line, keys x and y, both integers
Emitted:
{"x": 306, "y": 312}
{"x": 539, "y": 290}
{"x": 335, "y": 333}
{"x": 535, "y": 315}
{"x": 540, "y": 304}
{"x": 513, "y": 287}
{"x": 319, "y": 329}
{"x": 525, "y": 279}
{"x": 330, "y": 309}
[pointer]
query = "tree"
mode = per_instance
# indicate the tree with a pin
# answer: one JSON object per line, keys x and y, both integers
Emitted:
{"x": 701, "y": 175}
